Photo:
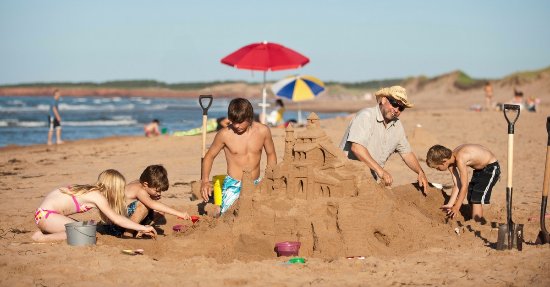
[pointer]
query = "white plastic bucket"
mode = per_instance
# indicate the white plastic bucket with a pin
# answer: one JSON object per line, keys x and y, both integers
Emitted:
{"x": 81, "y": 233}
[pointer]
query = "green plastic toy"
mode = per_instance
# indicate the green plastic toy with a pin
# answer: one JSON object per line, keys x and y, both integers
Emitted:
{"x": 297, "y": 260}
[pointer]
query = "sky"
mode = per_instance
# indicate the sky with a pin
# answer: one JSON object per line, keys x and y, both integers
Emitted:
{"x": 345, "y": 40}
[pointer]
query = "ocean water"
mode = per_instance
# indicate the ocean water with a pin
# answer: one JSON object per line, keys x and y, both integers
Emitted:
{"x": 24, "y": 120}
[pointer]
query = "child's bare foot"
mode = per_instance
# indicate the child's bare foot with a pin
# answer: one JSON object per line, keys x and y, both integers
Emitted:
{"x": 481, "y": 220}
{"x": 60, "y": 142}
{"x": 38, "y": 236}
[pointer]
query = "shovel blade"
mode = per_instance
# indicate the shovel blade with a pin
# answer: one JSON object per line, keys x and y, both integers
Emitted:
{"x": 543, "y": 238}
{"x": 503, "y": 241}
{"x": 518, "y": 236}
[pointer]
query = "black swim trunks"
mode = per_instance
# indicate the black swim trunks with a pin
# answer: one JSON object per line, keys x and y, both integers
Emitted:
{"x": 53, "y": 123}
{"x": 482, "y": 183}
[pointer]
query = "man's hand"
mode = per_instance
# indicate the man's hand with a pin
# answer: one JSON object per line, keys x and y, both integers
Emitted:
{"x": 386, "y": 177}
{"x": 206, "y": 190}
{"x": 423, "y": 180}
{"x": 453, "y": 211}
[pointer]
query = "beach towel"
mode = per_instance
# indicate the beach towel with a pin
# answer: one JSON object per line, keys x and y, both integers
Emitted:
{"x": 211, "y": 126}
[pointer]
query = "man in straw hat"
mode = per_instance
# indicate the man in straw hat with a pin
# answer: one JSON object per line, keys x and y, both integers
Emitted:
{"x": 375, "y": 133}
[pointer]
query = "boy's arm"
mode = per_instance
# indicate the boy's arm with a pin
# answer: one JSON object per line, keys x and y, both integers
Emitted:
{"x": 146, "y": 200}
{"x": 463, "y": 188}
{"x": 208, "y": 160}
{"x": 454, "y": 191}
{"x": 269, "y": 147}
{"x": 56, "y": 114}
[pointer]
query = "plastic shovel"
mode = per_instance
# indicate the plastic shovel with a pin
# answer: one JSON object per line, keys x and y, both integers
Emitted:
{"x": 204, "y": 122}
{"x": 194, "y": 218}
{"x": 510, "y": 235}
{"x": 543, "y": 237}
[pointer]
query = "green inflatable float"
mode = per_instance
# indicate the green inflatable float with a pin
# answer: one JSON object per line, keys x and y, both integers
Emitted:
{"x": 211, "y": 126}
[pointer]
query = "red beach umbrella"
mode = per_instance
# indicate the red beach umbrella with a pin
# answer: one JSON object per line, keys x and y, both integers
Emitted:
{"x": 265, "y": 56}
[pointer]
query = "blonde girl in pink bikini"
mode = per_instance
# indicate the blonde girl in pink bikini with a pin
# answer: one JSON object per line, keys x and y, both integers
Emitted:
{"x": 107, "y": 194}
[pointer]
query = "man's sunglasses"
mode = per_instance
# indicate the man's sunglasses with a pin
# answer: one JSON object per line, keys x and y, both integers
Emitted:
{"x": 396, "y": 104}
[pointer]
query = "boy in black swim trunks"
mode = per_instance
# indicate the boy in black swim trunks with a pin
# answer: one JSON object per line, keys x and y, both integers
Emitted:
{"x": 486, "y": 174}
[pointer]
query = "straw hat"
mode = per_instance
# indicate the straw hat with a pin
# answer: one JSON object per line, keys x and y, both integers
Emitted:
{"x": 397, "y": 92}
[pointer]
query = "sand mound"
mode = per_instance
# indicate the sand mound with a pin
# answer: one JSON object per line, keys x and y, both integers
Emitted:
{"x": 376, "y": 222}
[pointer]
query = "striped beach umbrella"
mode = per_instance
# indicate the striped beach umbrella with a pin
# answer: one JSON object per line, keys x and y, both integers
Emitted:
{"x": 298, "y": 88}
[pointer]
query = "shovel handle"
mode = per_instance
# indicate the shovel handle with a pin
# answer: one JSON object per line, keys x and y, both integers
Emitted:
{"x": 204, "y": 120}
{"x": 509, "y": 107}
{"x": 546, "y": 183}
{"x": 543, "y": 234}
{"x": 205, "y": 109}
{"x": 515, "y": 108}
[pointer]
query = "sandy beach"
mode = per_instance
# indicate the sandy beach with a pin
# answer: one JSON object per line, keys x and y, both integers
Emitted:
{"x": 401, "y": 233}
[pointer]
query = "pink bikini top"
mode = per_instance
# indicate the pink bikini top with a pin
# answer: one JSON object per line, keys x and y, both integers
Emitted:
{"x": 79, "y": 207}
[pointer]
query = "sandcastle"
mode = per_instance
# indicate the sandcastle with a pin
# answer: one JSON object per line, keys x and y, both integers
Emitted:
{"x": 313, "y": 167}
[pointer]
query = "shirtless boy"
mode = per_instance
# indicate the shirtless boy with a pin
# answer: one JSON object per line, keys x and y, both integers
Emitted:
{"x": 486, "y": 174}
{"x": 242, "y": 142}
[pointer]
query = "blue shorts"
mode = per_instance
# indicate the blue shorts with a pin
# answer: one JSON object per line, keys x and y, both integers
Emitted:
{"x": 231, "y": 191}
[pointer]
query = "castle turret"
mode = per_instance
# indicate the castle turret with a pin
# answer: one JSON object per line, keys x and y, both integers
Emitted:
{"x": 313, "y": 121}
{"x": 289, "y": 143}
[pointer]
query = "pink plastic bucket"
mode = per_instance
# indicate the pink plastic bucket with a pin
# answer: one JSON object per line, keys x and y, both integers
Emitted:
{"x": 287, "y": 248}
